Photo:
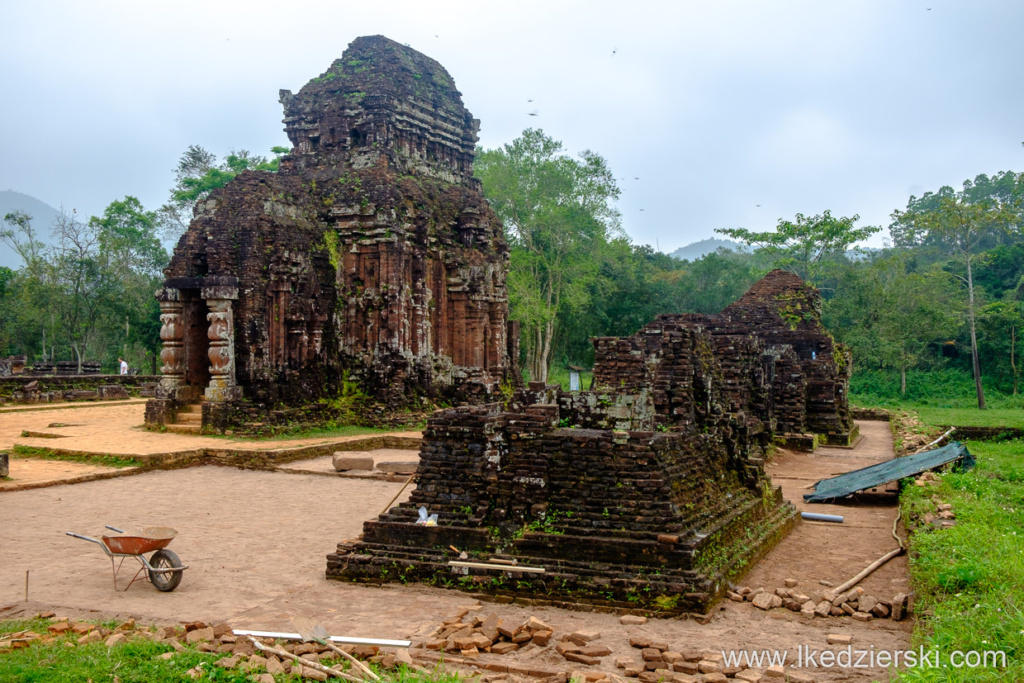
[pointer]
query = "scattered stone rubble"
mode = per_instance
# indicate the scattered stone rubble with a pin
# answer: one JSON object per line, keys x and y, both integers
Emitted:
{"x": 648, "y": 491}
{"x": 466, "y": 639}
{"x": 369, "y": 266}
{"x": 854, "y": 603}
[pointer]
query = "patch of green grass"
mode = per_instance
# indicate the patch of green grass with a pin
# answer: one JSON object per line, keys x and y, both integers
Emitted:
{"x": 48, "y": 454}
{"x": 972, "y": 417}
{"x": 969, "y": 579}
{"x": 134, "y": 661}
{"x": 327, "y": 432}
{"x": 560, "y": 376}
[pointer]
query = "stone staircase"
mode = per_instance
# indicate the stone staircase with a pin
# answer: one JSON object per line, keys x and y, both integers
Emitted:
{"x": 189, "y": 419}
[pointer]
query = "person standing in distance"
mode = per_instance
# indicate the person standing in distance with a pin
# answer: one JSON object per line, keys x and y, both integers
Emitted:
{"x": 124, "y": 366}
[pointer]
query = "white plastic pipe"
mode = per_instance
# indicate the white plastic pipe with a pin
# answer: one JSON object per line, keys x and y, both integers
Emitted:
{"x": 817, "y": 517}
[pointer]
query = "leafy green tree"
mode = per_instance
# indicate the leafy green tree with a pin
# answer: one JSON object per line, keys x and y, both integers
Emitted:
{"x": 889, "y": 315}
{"x": 19, "y": 234}
{"x": 805, "y": 246}
{"x": 130, "y": 250}
{"x": 198, "y": 174}
{"x": 959, "y": 226}
{"x": 559, "y": 216}
{"x": 999, "y": 328}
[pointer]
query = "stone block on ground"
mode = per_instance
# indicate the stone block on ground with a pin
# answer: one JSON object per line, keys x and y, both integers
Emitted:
{"x": 346, "y": 462}
{"x": 634, "y": 620}
{"x": 398, "y": 467}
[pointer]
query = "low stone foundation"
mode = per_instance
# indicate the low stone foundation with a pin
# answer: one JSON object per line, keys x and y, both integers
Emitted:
{"x": 23, "y": 389}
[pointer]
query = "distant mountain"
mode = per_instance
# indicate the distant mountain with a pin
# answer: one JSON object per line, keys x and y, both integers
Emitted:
{"x": 692, "y": 252}
{"x": 43, "y": 215}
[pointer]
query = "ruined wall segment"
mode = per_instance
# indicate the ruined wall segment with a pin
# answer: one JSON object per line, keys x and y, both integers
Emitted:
{"x": 370, "y": 260}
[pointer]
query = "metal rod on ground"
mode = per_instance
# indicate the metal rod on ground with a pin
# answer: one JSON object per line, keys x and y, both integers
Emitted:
{"x": 345, "y": 640}
{"x": 941, "y": 438}
{"x": 870, "y": 568}
{"x": 407, "y": 482}
{"x": 304, "y": 662}
{"x": 818, "y": 517}
{"x": 502, "y": 567}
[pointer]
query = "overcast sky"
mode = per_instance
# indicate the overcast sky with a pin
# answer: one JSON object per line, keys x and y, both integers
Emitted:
{"x": 715, "y": 114}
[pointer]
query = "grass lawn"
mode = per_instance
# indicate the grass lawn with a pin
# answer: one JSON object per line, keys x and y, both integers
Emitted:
{"x": 969, "y": 579}
{"x": 327, "y": 432}
{"x": 137, "y": 660}
{"x": 971, "y": 417}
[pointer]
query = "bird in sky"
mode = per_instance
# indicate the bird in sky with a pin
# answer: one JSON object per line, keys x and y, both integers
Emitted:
{"x": 614, "y": 51}
{"x": 759, "y": 206}
{"x": 533, "y": 113}
{"x": 636, "y": 178}
{"x": 529, "y": 100}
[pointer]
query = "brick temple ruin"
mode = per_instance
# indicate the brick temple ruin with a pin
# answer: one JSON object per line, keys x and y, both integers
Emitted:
{"x": 646, "y": 493}
{"x": 369, "y": 264}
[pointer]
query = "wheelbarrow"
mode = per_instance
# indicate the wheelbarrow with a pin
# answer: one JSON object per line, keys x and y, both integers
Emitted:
{"x": 163, "y": 567}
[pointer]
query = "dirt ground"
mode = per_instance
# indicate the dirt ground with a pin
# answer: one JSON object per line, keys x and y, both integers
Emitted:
{"x": 256, "y": 542}
{"x": 117, "y": 429}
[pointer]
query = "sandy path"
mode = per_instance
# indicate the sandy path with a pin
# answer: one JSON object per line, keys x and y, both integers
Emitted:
{"x": 836, "y": 552}
{"x": 256, "y": 543}
{"x": 117, "y": 429}
{"x": 248, "y": 537}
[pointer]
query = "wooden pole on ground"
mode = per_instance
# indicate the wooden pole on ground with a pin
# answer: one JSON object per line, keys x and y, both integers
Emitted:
{"x": 407, "y": 482}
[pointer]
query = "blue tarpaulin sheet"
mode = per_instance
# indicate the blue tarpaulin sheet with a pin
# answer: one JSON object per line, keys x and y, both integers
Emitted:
{"x": 885, "y": 472}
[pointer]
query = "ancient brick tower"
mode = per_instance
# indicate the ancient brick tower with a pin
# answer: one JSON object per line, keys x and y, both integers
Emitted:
{"x": 370, "y": 260}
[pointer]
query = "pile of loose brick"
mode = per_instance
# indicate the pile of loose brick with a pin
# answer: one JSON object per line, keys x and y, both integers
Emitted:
{"x": 855, "y": 603}
{"x": 465, "y": 639}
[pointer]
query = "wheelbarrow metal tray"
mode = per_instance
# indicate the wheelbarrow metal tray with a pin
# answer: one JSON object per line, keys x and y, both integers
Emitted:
{"x": 139, "y": 541}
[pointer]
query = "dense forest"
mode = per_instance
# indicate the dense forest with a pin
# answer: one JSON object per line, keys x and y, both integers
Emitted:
{"x": 936, "y": 315}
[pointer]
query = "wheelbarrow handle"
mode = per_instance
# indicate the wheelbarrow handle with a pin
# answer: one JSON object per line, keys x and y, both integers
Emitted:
{"x": 113, "y": 528}
{"x": 86, "y": 538}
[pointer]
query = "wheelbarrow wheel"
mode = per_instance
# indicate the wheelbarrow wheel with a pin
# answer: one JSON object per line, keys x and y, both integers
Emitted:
{"x": 165, "y": 581}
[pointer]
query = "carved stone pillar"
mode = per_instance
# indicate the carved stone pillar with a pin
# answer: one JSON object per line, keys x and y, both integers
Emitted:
{"x": 172, "y": 355}
{"x": 222, "y": 344}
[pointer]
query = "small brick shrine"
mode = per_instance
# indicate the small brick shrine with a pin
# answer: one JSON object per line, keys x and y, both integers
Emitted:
{"x": 648, "y": 492}
{"x": 370, "y": 263}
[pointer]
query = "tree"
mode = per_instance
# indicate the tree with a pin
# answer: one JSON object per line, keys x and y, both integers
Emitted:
{"x": 131, "y": 252}
{"x": 804, "y": 247}
{"x": 78, "y": 285}
{"x": 558, "y": 217}
{"x": 19, "y": 234}
{"x": 891, "y": 315}
{"x": 959, "y": 227}
{"x": 198, "y": 174}
{"x": 999, "y": 325}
